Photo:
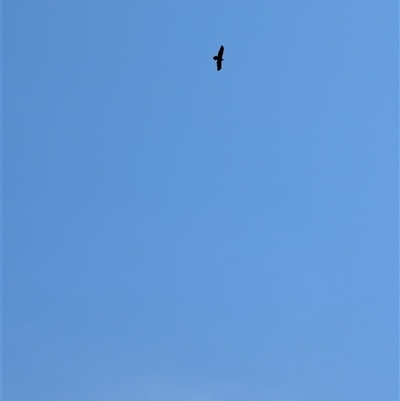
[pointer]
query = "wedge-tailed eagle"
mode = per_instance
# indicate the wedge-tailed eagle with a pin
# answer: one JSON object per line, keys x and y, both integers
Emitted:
{"x": 219, "y": 58}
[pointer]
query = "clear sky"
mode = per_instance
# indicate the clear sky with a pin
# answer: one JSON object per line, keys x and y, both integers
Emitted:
{"x": 174, "y": 233}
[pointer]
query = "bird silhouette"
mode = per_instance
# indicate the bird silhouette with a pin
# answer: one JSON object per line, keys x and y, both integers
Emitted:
{"x": 218, "y": 58}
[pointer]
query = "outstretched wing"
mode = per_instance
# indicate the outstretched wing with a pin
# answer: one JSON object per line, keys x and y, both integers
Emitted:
{"x": 221, "y": 52}
{"x": 219, "y": 64}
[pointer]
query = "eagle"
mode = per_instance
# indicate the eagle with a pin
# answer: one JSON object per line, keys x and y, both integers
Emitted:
{"x": 219, "y": 58}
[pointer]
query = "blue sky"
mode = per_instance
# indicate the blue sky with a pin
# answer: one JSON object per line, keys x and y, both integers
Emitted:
{"x": 171, "y": 232}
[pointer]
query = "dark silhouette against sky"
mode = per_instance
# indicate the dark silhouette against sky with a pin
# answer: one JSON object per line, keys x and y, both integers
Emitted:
{"x": 219, "y": 58}
{"x": 174, "y": 235}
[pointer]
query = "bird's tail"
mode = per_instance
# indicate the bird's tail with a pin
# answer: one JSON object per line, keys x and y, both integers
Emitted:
{"x": 215, "y": 58}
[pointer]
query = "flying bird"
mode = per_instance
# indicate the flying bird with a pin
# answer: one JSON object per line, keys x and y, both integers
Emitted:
{"x": 219, "y": 58}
